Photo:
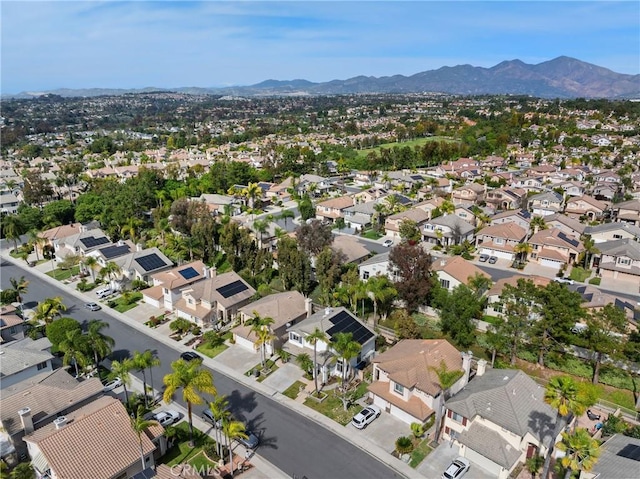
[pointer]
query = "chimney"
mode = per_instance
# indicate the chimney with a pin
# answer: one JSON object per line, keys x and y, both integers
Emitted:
{"x": 60, "y": 422}
{"x": 212, "y": 272}
{"x": 466, "y": 364}
{"x": 26, "y": 419}
{"x": 205, "y": 271}
{"x": 120, "y": 243}
{"x": 482, "y": 367}
{"x": 138, "y": 247}
{"x": 308, "y": 306}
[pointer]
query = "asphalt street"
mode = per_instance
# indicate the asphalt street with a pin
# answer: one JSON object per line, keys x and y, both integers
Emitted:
{"x": 291, "y": 442}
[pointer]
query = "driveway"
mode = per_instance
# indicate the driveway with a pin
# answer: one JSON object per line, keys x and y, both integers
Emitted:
{"x": 383, "y": 431}
{"x": 238, "y": 358}
{"x": 285, "y": 376}
{"x": 436, "y": 463}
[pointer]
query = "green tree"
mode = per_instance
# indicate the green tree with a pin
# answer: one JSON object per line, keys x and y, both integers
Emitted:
{"x": 99, "y": 343}
{"x": 286, "y": 215}
{"x": 446, "y": 379}
{"x": 56, "y": 331}
{"x": 49, "y": 309}
{"x": 91, "y": 262}
{"x": 313, "y": 339}
{"x": 219, "y": 408}
{"x": 233, "y": 430}
{"x": 345, "y": 349}
{"x": 581, "y": 451}
{"x": 306, "y": 208}
{"x": 404, "y": 325}
{"x": 604, "y": 335}
{"x": 314, "y": 236}
{"x": 412, "y": 265}
{"x": 305, "y": 362}
{"x": 20, "y": 287}
{"x": 457, "y": 314}
{"x": 74, "y": 347}
{"x": 12, "y": 229}
{"x": 139, "y": 425}
{"x": 523, "y": 250}
{"x": 328, "y": 268}
{"x": 409, "y": 231}
{"x": 193, "y": 380}
{"x": 143, "y": 361}
{"x": 261, "y": 327}
{"x": 381, "y": 291}
{"x": 23, "y": 471}
{"x": 122, "y": 369}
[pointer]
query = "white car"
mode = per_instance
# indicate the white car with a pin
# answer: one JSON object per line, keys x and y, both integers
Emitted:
{"x": 365, "y": 417}
{"x": 167, "y": 418}
{"x": 456, "y": 469}
{"x": 111, "y": 385}
{"x": 563, "y": 280}
{"x": 387, "y": 243}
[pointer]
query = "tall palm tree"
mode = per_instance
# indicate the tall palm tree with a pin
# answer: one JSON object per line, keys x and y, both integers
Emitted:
{"x": 37, "y": 241}
{"x": 313, "y": 338}
{"x": 12, "y": 229}
{"x": 111, "y": 270}
{"x": 193, "y": 380}
{"x": 285, "y": 215}
{"x": 561, "y": 393}
{"x": 219, "y": 408}
{"x": 131, "y": 228}
{"x": 139, "y": 424}
{"x": 261, "y": 327}
{"x": 523, "y": 250}
{"x": 380, "y": 289}
{"x": 99, "y": 343}
{"x": 20, "y": 287}
{"x": 122, "y": 369}
{"x": 261, "y": 227}
{"x": 147, "y": 360}
{"x": 233, "y": 430}
{"x": 581, "y": 451}
{"x": 252, "y": 192}
{"x": 589, "y": 249}
{"x": 74, "y": 347}
{"x": 345, "y": 349}
{"x": 90, "y": 263}
{"x": 49, "y": 309}
{"x": 538, "y": 223}
{"x": 140, "y": 363}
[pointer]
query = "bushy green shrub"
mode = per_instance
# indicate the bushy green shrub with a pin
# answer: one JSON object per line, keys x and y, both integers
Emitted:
{"x": 595, "y": 281}
{"x": 404, "y": 445}
{"x": 84, "y": 286}
{"x": 613, "y": 425}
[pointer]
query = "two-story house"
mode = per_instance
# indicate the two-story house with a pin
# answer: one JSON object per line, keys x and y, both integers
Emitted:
{"x": 561, "y": 221}
{"x": 613, "y": 231}
{"x": 12, "y": 326}
{"x": 332, "y": 209}
{"x": 360, "y": 215}
{"x": 585, "y": 206}
{"x": 499, "y": 420}
{"x": 628, "y": 212}
{"x": 331, "y": 321}
{"x": 23, "y": 359}
{"x": 500, "y": 240}
{"x": 141, "y": 264}
{"x": 505, "y": 198}
{"x": 166, "y": 285}
{"x": 494, "y": 295}
{"x": 520, "y": 217}
{"x": 619, "y": 259}
{"x": 405, "y": 381}
{"x": 377, "y": 265}
{"x": 547, "y": 203}
{"x": 471, "y": 193}
{"x": 554, "y": 248}
{"x": 392, "y": 223}
{"x": 447, "y": 230}
{"x": 453, "y": 271}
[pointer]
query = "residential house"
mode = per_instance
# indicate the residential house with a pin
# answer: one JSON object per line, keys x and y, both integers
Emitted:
{"x": 405, "y": 382}
{"x": 352, "y": 249}
{"x": 605, "y": 191}
{"x": 500, "y": 240}
{"x": 392, "y": 223}
{"x": 95, "y": 441}
{"x": 23, "y": 359}
{"x": 111, "y": 251}
{"x": 595, "y": 299}
{"x": 467, "y": 214}
{"x": 220, "y": 204}
{"x": 564, "y": 223}
{"x": 81, "y": 243}
{"x": 38, "y": 400}
{"x": 547, "y": 203}
{"x": 618, "y": 459}
{"x": 141, "y": 264}
{"x": 430, "y": 205}
{"x": 332, "y": 321}
{"x": 554, "y": 248}
{"x": 314, "y": 185}
{"x": 471, "y": 193}
{"x": 494, "y": 295}
{"x": 332, "y": 209}
{"x": 627, "y": 212}
{"x": 505, "y": 198}
{"x": 377, "y": 265}
{"x": 530, "y": 183}
{"x": 166, "y": 285}
{"x": 613, "y": 231}
{"x": 619, "y": 259}
{"x": 453, "y": 271}
{"x": 286, "y": 309}
{"x": 585, "y": 207}
{"x": 447, "y": 230}
{"x": 280, "y": 192}
{"x": 360, "y": 215}
{"x": 499, "y": 420}
{"x": 215, "y": 299}
{"x": 12, "y": 326}
{"x": 572, "y": 188}
{"x": 9, "y": 202}
{"x": 521, "y": 218}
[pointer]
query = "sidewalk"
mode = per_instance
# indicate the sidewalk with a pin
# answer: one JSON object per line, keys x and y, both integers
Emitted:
{"x": 262, "y": 469}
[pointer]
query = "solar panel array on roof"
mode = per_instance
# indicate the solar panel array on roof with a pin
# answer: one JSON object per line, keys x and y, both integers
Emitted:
{"x": 148, "y": 473}
{"x": 150, "y": 262}
{"x": 343, "y": 322}
{"x": 232, "y": 289}
{"x": 115, "y": 251}
{"x": 630, "y": 451}
{"x": 188, "y": 273}
{"x": 92, "y": 241}
{"x": 569, "y": 239}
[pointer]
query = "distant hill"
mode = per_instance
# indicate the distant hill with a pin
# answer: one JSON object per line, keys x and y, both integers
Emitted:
{"x": 562, "y": 77}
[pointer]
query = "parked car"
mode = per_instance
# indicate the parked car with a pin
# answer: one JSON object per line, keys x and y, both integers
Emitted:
{"x": 563, "y": 280}
{"x": 387, "y": 243}
{"x": 251, "y": 442}
{"x": 457, "y": 468}
{"x": 483, "y": 258}
{"x": 493, "y": 260}
{"x": 103, "y": 293}
{"x": 111, "y": 385}
{"x": 365, "y": 417}
{"x": 190, "y": 356}
{"x": 93, "y": 306}
{"x": 207, "y": 416}
{"x": 167, "y": 418}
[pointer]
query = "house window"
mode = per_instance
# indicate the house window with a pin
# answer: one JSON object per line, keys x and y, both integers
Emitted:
{"x": 497, "y": 307}
{"x": 617, "y": 236}
{"x": 444, "y": 283}
{"x": 339, "y": 366}
{"x": 625, "y": 261}
{"x": 499, "y": 240}
{"x": 399, "y": 388}
{"x": 295, "y": 337}
{"x": 42, "y": 365}
{"x": 457, "y": 417}
{"x": 365, "y": 275}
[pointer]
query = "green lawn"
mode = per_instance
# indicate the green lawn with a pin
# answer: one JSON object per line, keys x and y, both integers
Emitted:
{"x": 409, "y": 143}
{"x": 62, "y": 274}
{"x": 579, "y": 274}
{"x": 181, "y": 451}
{"x": 419, "y": 453}
{"x": 271, "y": 367}
{"x": 372, "y": 234}
{"x": 293, "y": 390}
{"x": 123, "y": 304}
{"x": 492, "y": 319}
{"x": 333, "y": 409}
{"x": 212, "y": 352}
{"x": 201, "y": 463}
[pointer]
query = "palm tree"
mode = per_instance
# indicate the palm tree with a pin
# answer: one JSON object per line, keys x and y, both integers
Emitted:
{"x": 90, "y": 262}
{"x": 538, "y": 223}
{"x": 150, "y": 360}
{"x": 313, "y": 338}
{"x": 121, "y": 369}
{"x": 20, "y": 287}
{"x": 581, "y": 451}
{"x": 139, "y": 424}
{"x": 48, "y": 309}
{"x": 285, "y": 215}
{"x": 233, "y": 430}
{"x": 305, "y": 362}
{"x": 99, "y": 343}
{"x": 141, "y": 362}
{"x": 219, "y": 408}
{"x": 22, "y": 471}
{"x": 252, "y": 192}
{"x": 261, "y": 227}
{"x": 380, "y": 289}
{"x": 111, "y": 270}
{"x": 261, "y": 328}
{"x": 193, "y": 380}
{"x": 131, "y": 228}
{"x": 561, "y": 393}
{"x": 37, "y": 241}
{"x": 589, "y": 249}
{"x": 345, "y": 349}
{"x": 523, "y": 250}
{"x": 74, "y": 347}
{"x": 13, "y": 228}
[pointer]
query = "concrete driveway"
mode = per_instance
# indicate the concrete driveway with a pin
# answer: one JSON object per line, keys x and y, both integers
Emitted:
{"x": 383, "y": 431}
{"x": 440, "y": 458}
{"x": 285, "y": 376}
{"x": 238, "y": 358}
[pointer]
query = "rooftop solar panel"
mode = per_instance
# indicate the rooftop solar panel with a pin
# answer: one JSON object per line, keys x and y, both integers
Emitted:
{"x": 630, "y": 451}
{"x": 232, "y": 289}
{"x": 188, "y": 273}
{"x": 572, "y": 241}
{"x": 150, "y": 262}
{"x": 92, "y": 241}
{"x": 343, "y": 322}
{"x": 114, "y": 251}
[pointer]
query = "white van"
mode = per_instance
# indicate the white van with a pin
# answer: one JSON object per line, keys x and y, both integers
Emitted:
{"x": 103, "y": 293}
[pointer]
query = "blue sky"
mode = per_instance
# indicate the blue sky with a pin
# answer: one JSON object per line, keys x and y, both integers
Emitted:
{"x": 113, "y": 44}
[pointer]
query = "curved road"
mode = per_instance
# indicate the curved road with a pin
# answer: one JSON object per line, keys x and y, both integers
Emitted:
{"x": 291, "y": 442}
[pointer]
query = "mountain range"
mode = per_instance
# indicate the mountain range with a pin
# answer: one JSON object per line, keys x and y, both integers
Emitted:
{"x": 562, "y": 77}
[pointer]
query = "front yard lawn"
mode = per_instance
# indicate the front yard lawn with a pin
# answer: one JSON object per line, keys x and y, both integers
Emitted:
{"x": 372, "y": 234}
{"x": 125, "y": 302}
{"x": 212, "y": 352}
{"x": 181, "y": 451}
{"x": 62, "y": 274}
{"x": 293, "y": 390}
{"x": 579, "y": 274}
{"x": 419, "y": 453}
{"x": 333, "y": 409}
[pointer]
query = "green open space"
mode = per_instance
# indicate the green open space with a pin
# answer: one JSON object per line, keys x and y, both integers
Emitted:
{"x": 410, "y": 143}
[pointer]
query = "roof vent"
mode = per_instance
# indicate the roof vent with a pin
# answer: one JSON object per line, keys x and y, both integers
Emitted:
{"x": 506, "y": 378}
{"x": 328, "y": 311}
{"x": 59, "y": 422}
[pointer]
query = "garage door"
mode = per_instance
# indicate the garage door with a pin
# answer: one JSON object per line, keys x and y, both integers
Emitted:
{"x": 483, "y": 462}
{"x": 499, "y": 254}
{"x": 551, "y": 264}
